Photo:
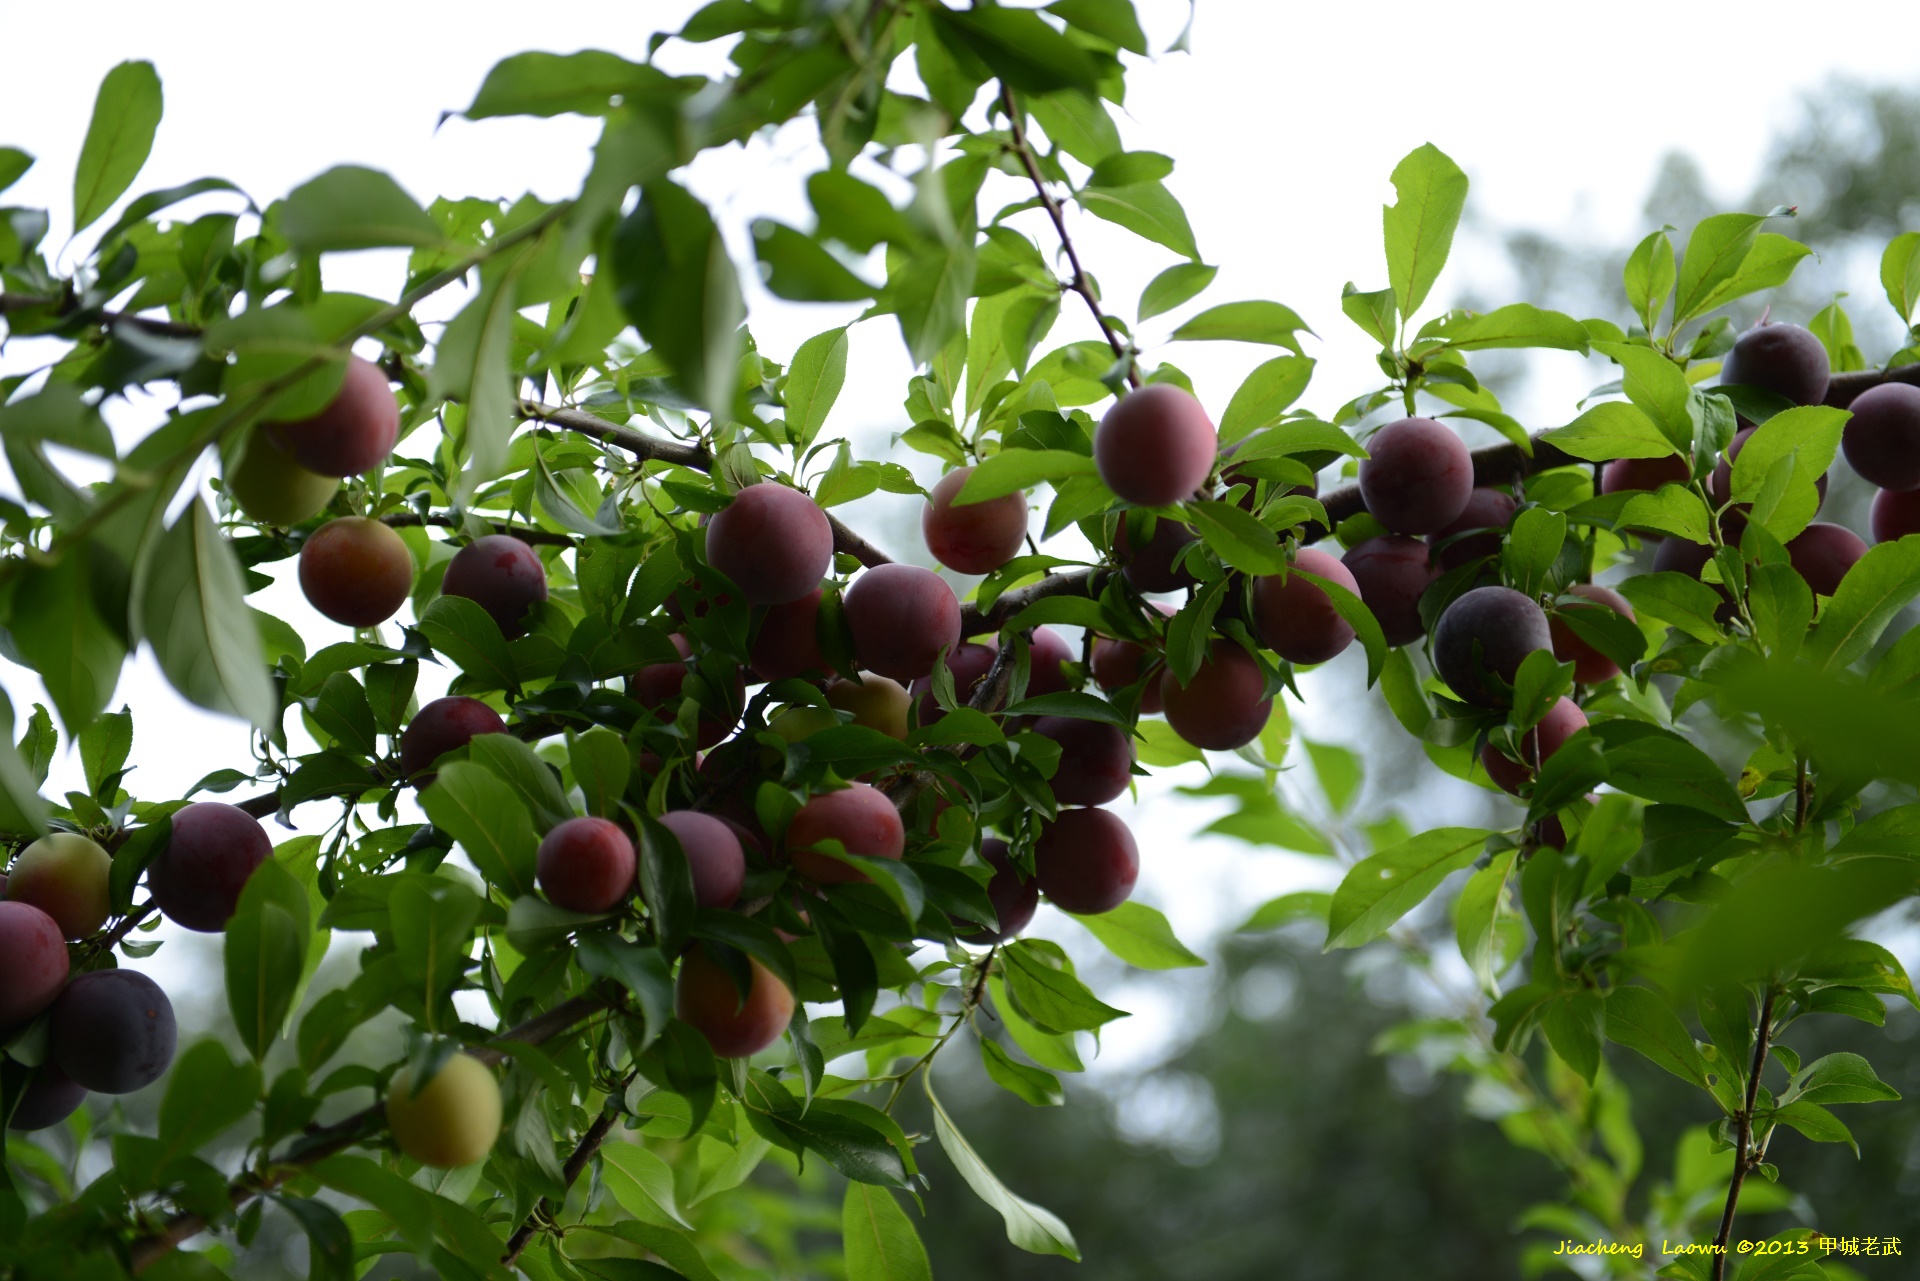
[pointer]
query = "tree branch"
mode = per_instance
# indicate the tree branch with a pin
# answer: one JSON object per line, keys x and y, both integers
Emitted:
{"x": 1845, "y": 387}
{"x": 534, "y": 537}
{"x": 569, "y": 1174}
{"x": 1744, "y": 1157}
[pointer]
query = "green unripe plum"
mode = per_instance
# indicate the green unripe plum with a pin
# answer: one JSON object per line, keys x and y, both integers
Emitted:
{"x": 737, "y": 1026}
{"x": 875, "y": 701}
{"x": 33, "y": 962}
{"x": 64, "y": 875}
{"x": 453, "y": 1120}
{"x": 356, "y": 571}
{"x": 796, "y": 723}
{"x": 274, "y": 489}
{"x": 353, "y": 434}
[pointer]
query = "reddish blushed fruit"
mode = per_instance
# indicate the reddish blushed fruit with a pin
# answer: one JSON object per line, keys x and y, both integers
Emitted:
{"x": 1562, "y": 721}
{"x": 901, "y": 617}
{"x": 736, "y": 1025}
{"x": 64, "y": 875}
{"x": 1116, "y": 664}
{"x": 1882, "y": 439}
{"x": 1153, "y": 566}
{"x": 1488, "y": 511}
{"x": 1014, "y": 898}
{"x": 713, "y": 855}
{"x": 858, "y": 816}
{"x": 788, "y": 642}
{"x": 1896, "y": 513}
{"x": 968, "y": 665}
{"x": 1295, "y": 618}
{"x": 1784, "y": 359}
{"x": 1224, "y": 706}
{"x": 1822, "y": 554}
{"x": 977, "y": 538}
{"x": 876, "y": 703}
{"x": 1720, "y": 484}
{"x": 356, "y": 571}
{"x": 439, "y": 728}
{"x": 1486, "y": 634}
{"x": 773, "y": 541}
{"x": 1046, "y": 657}
{"x": 586, "y": 865}
{"x": 50, "y": 1098}
{"x": 658, "y": 687}
{"x": 1086, "y": 862}
{"x": 1590, "y": 666}
{"x": 1629, "y": 475}
{"x": 33, "y": 961}
{"x": 1417, "y": 477}
{"x": 501, "y": 575}
{"x": 1096, "y": 759}
{"x": 1155, "y": 446}
{"x": 209, "y": 856}
{"x": 353, "y": 434}
{"x": 112, "y": 1031}
{"x": 1393, "y": 572}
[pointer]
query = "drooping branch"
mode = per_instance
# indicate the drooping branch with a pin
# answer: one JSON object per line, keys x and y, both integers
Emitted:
{"x": 1744, "y": 1157}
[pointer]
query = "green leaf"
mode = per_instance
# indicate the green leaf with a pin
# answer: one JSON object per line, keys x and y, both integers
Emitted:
{"x": 676, "y": 283}
{"x": 1033, "y": 1085}
{"x": 1375, "y": 313}
{"x": 1302, "y": 905}
{"x": 929, "y": 294}
{"x": 1715, "y": 250}
{"x": 206, "y": 1092}
{"x": 1611, "y": 430}
{"x": 526, "y": 775}
{"x": 1670, "y": 509}
{"x": 601, "y": 767}
{"x": 641, "y": 970}
{"x": 351, "y": 207}
{"x": 800, "y": 270}
{"x": 472, "y": 364}
{"x": 641, "y": 1181}
{"x": 1815, "y": 1122}
{"x": 1237, "y": 537}
{"x": 329, "y": 1240}
{"x": 1140, "y": 936}
{"x": 1808, "y": 435}
{"x": 1049, "y": 994}
{"x": 1431, "y": 193}
{"x": 1658, "y": 387}
{"x": 1531, "y": 548}
{"x": 1147, "y": 209}
{"x": 1110, "y": 20}
{"x": 59, "y": 631}
{"x": 1268, "y": 323}
{"x": 1380, "y": 889}
{"x": 1515, "y": 325}
{"x": 431, "y": 921}
{"x": 1020, "y": 48}
{"x": 196, "y": 618}
{"x": 468, "y": 803}
{"x": 1078, "y": 124}
{"x": 1029, "y": 1227}
{"x": 462, "y": 631}
{"x": 1012, "y": 470}
{"x": 266, "y": 955}
{"x": 126, "y": 114}
{"x": 1640, "y": 1019}
{"x": 1649, "y": 276}
{"x": 14, "y": 164}
{"x": 1840, "y": 1078}
{"x": 1676, "y": 598}
{"x": 1769, "y": 264}
{"x": 1871, "y": 596}
{"x": 1178, "y": 284}
{"x": 1572, "y": 1024}
{"x": 1899, "y": 273}
{"x": 1266, "y": 394}
{"x": 104, "y": 746}
{"x": 879, "y": 1239}
{"x": 1659, "y": 765}
{"x": 552, "y": 84}
{"x": 814, "y": 380}
{"x": 1476, "y": 912}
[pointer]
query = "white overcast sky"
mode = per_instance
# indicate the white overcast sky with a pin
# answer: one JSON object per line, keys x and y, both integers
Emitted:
{"x": 1285, "y": 120}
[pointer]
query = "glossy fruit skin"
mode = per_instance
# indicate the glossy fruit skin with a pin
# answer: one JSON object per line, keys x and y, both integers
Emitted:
{"x": 1562, "y": 721}
{"x": 876, "y": 703}
{"x": 860, "y": 817}
{"x": 1822, "y": 554}
{"x": 1224, "y": 706}
{"x": 1295, "y": 618}
{"x": 64, "y": 875}
{"x": 272, "y": 488}
{"x": 1882, "y": 439}
{"x": 112, "y": 1031}
{"x": 198, "y": 877}
{"x": 1086, "y": 862}
{"x": 1784, "y": 359}
{"x": 1590, "y": 666}
{"x": 49, "y": 1099}
{"x": 977, "y": 538}
{"x": 439, "y": 728}
{"x": 1045, "y": 656}
{"x": 1014, "y": 900}
{"x": 1896, "y": 513}
{"x": 901, "y": 617}
{"x": 788, "y": 642}
{"x": 968, "y": 665}
{"x": 713, "y": 853}
{"x": 356, "y": 571}
{"x": 586, "y": 865}
{"x": 1417, "y": 477}
{"x": 773, "y": 541}
{"x": 1487, "y": 632}
{"x": 706, "y": 998}
{"x": 353, "y": 434}
{"x": 1489, "y": 511}
{"x": 1155, "y": 446}
{"x": 1152, "y": 566}
{"x": 501, "y": 575}
{"x": 657, "y": 685}
{"x": 1720, "y": 483}
{"x": 1625, "y": 475}
{"x": 453, "y": 1120}
{"x": 1393, "y": 572}
{"x": 1096, "y": 759}
{"x": 33, "y": 962}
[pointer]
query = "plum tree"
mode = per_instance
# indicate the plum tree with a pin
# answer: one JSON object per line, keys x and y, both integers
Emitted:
{"x": 968, "y": 665}
{"x": 787, "y": 643}
{"x": 112, "y": 1031}
{"x": 1047, "y": 656}
{"x": 64, "y": 875}
{"x": 1086, "y": 861}
{"x": 1154, "y": 565}
{"x": 1787, "y": 360}
{"x": 975, "y": 538}
{"x": 901, "y": 618}
{"x": 875, "y": 702}
{"x": 50, "y": 1098}
{"x": 353, "y": 434}
{"x": 860, "y": 817}
{"x": 211, "y": 852}
{"x": 586, "y": 865}
{"x": 1894, "y": 515}
{"x": 1096, "y": 759}
{"x": 33, "y": 959}
{"x": 1156, "y": 445}
{"x": 442, "y": 726}
{"x": 1823, "y": 553}
{"x": 737, "y": 1025}
{"x": 713, "y": 853}
{"x": 450, "y": 1121}
{"x": 356, "y": 571}
{"x": 1481, "y": 640}
{"x": 1015, "y": 898}
{"x": 501, "y": 575}
{"x": 274, "y": 489}
{"x": 773, "y": 542}
{"x": 1475, "y": 533}
{"x": 1224, "y": 706}
{"x": 1295, "y": 618}
{"x": 1882, "y": 439}
{"x": 1417, "y": 477}
{"x": 1629, "y": 475}
{"x": 1562, "y": 721}
{"x": 1590, "y": 666}
{"x": 1392, "y": 573}
{"x": 659, "y": 687}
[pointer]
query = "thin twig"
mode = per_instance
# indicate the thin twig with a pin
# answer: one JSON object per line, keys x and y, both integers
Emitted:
{"x": 1744, "y": 1158}
{"x": 569, "y": 1174}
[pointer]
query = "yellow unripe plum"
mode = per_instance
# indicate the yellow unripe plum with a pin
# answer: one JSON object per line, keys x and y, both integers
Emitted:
{"x": 879, "y": 703}
{"x": 453, "y": 1120}
{"x": 64, "y": 875}
{"x": 274, "y": 489}
{"x": 798, "y": 722}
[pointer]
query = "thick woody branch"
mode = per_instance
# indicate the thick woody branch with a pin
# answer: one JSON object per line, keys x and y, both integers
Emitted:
{"x": 1845, "y": 387}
